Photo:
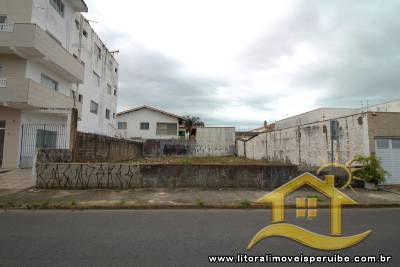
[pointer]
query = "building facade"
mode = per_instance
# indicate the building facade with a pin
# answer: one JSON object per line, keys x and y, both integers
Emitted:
{"x": 51, "y": 61}
{"x": 148, "y": 123}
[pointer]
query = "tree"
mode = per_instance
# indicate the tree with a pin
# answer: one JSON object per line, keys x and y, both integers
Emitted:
{"x": 192, "y": 122}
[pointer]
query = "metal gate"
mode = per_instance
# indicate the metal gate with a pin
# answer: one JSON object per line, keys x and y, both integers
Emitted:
{"x": 36, "y": 136}
{"x": 388, "y": 151}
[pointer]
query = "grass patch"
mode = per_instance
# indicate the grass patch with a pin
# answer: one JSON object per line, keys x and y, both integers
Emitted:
{"x": 245, "y": 203}
{"x": 200, "y": 202}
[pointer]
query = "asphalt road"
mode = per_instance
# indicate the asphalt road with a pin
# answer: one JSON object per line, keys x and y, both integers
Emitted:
{"x": 174, "y": 237}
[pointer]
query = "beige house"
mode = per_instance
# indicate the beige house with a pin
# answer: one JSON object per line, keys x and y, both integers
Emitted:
{"x": 50, "y": 62}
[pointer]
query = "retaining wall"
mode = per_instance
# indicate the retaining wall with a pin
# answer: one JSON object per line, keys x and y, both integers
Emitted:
{"x": 123, "y": 176}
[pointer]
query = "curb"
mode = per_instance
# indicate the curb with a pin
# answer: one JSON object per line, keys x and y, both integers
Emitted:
{"x": 172, "y": 207}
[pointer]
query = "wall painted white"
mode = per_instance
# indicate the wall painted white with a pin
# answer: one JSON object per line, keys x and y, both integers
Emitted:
{"x": 34, "y": 71}
{"x": 314, "y": 116}
{"x": 215, "y": 141}
{"x": 66, "y": 30}
{"x": 134, "y": 118}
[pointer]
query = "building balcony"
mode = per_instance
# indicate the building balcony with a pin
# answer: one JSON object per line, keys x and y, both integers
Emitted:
{"x": 28, "y": 94}
{"x": 31, "y": 42}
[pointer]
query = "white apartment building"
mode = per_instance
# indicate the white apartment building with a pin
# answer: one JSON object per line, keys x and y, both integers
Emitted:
{"x": 51, "y": 61}
{"x": 149, "y": 123}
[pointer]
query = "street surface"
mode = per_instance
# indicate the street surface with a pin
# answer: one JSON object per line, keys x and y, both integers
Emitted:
{"x": 175, "y": 237}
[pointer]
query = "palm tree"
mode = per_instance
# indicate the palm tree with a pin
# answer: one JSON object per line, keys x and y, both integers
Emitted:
{"x": 190, "y": 123}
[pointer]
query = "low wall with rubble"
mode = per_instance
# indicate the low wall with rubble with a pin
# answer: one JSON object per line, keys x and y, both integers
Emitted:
{"x": 124, "y": 176}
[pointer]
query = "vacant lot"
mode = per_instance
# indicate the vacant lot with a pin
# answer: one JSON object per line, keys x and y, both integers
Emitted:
{"x": 204, "y": 160}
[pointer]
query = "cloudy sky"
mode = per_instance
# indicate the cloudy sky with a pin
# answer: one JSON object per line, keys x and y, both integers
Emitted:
{"x": 240, "y": 62}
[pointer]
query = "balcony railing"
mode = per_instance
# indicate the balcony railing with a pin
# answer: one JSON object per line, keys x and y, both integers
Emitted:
{"x": 6, "y": 27}
{"x": 3, "y": 83}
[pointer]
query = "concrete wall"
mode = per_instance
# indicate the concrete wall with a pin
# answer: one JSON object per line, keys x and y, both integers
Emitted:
{"x": 97, "y": 148}
{"x": 309, "y": 145}
{"x": 240, "y": 145}
{"x": 255, "y": 148}
{"x": 80, "y": 176}
{"x": 314, "y": 116}
{"x": 12, "y": 117}
{"x": 215, "y": 141}
{"x": 168, "y": 147}
{"x": 134, "y": 118}
{"x": 17, "y": 10}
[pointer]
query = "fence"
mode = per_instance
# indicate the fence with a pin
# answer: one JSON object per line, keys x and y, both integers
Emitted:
{"x": 38, "y": 136}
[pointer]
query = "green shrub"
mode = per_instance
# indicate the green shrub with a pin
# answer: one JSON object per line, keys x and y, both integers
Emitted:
{"x": 371, "y": 170}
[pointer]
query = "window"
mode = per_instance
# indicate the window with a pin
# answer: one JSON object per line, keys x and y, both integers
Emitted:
{"x": 84, "y": 32}
{"x": 49, "y": 83}
{"x": 109, "y": 89}
{"x": 80, "y": 98}
{"x": 122, "y": 125}
{"x": 116, "y": 70}
{"x": 144, "y": 126}
{"x": 97, "y": 51}
{"x": 166, "y": 128}
{"x": 113, "y": 115}
{"x": 46, "y": 139}
{"x": 2, "y": 124}
{"x": 108, "y": 114}
{"x": 395, "y": 143}
{"x": 115, "y": 92}
{"x": 3, "y": 19}
{"x": 1, "y": 70}
{"x": 94, "y": 107}
{"x": 97, "y": 78}
{"x": 77, "y": 24}
{"x": 58, "y": 6}
{"x": 382, "y": 143}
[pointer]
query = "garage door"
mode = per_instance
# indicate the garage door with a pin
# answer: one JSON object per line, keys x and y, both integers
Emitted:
{"x": 388, "y": 151}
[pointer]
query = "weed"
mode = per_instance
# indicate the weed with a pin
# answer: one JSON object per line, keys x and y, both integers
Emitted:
{"x": 245, "y": 203}
{"x": 200, "y": 202}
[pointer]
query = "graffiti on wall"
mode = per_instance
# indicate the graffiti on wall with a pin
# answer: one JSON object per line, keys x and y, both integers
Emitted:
{"x": 88, "y": 176}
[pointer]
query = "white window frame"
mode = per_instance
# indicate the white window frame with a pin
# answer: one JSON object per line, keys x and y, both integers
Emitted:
{"x": 143, "y": 124}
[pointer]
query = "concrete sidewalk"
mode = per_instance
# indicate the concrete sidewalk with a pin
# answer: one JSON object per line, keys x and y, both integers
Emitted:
{"x": 175, "y": 198}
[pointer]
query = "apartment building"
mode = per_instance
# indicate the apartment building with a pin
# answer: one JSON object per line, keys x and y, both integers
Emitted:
{"x": 51, "y": 61}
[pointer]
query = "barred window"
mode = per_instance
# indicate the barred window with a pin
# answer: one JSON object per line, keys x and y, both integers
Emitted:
{"x": 166, "y": 128}
{"x": 122, "y": 125}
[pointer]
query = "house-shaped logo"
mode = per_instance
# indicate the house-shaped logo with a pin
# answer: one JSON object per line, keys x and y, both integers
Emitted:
{"x": 308, "y": 238}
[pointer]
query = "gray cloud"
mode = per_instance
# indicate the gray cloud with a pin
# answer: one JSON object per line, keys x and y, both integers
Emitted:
{"x": 360, "y": 41}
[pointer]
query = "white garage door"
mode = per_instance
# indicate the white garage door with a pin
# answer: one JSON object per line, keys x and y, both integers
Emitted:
{"x": 388, "y": 151}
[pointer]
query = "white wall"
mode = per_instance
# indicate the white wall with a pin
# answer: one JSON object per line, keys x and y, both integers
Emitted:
{"x": 134, "y": 119}
{"x": 314, "y": 116}
{"x": 309, "y": 145}
{"x": 34, "y": 71}
{"x": 90, "y": 90}
{"x": 215, "y": 141}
